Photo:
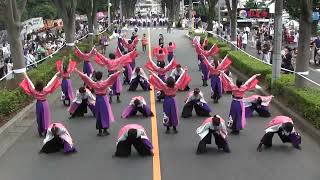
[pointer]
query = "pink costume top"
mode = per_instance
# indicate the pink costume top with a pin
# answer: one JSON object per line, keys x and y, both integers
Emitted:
{"x": 29, "y": 89}
{"x": 211, "y": 52}
{"x": 123, "y": 133}
{"x": 181, "y": 83}
{"x": 192, "y": 97}
{"x": 162, "y": 56}
{"x": 100, "y": 87}
{"x": 277, "y": 122}
{"x": 131, "y": 46}
{"x": 83, "y": 56}
{"x": 223, "y": 66}
{"x": 63, "y": 133}
{"x": 118, "y": 53}
{"x": 59, "y": 65}
{"x": 236, "y": 91}
{"x": 171, "y": 48}
{"x": 113, "y": 64}
{"x": 203, "y": 130}
{"x": 151, "y": 66}
{"x": 265, "y": 100}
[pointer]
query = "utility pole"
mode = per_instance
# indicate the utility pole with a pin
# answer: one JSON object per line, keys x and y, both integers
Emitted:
{"x": 182, "y": 8}
{"x": 120, "y": 6}
{"x": 190, "y": 15}
{"x": 277, "y": 43}
{"x": 109, "y": 14}
{"x": 219, "y": 15}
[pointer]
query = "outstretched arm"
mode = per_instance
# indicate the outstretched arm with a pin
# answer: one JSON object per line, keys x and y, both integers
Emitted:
{"x": 86, "y": 79}
{"x": 151, "y": 66}
{"x": 27, "y": 85}
{"x": 226, "y": 62}
{"x": 101, "y": 59}
{"x": 110, "y": 81}
{"x": 156, "y": 82}
{"x": 52, "y": 85}
{"x": 226, "y": 82}
{"x": 183, "y": 80}
{"x": 251, "y": 83}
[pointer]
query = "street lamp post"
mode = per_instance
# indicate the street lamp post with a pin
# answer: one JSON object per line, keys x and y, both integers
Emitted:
{"x": 276, "y": 64}
{"x": 190, "y": 14}
{"x": 109, "y": 14}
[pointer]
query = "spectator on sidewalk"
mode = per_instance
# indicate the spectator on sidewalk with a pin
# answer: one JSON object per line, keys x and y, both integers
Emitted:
{"x": 287, "y": 60}
{"x": 266, "y": 52}
{"x": 244, "y": 40}
{"x": 316, "y": 44}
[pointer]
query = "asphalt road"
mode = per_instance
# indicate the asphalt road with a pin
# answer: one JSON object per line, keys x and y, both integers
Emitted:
{"x": 178, "y": 160}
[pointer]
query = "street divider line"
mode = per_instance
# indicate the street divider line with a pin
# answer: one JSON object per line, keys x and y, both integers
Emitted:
{"x": 154, "y": 127}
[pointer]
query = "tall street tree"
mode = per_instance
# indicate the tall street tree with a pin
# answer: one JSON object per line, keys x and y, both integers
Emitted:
{"x": 211, "y": 13}
{"x": 129, "y": 7}
{"x": 89, "y": 7}
{"x": 232, "y": 10}
{"x": 12, "y": 10}
{"x": 67, "y": 10}
{"x": 305, "y": 23}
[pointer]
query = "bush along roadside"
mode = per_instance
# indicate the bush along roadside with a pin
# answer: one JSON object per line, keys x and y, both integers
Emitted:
{"x": 304, "y": 101}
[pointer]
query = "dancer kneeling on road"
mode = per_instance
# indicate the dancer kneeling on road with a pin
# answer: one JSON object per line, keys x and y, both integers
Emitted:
{"x": 257, "y": 103}
{"x": 213, "y": 126}
{"x": 195, "y": 100}
{"x": 133, "y": 134}
{"x": 58, "y": 138}
{"x": 137, "y": 104}
{"x": 139, "y": 77}
{"x": 84, "y": 98}
{"x": 282, "y": 125}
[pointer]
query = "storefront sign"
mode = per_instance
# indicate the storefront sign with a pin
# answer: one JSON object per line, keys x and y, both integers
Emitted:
{"x": 247, "y": 13}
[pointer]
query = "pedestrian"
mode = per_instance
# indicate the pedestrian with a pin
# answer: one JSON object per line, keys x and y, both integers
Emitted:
{"x": 105, "y": 43}
{"x": 283, "y": 126}
{"x": 244, "y": 40}
{"x": 287, "y": 60}
{"x": 86, "y": 56}
{"x": 139, "y": 77}
{"x": 177, "y": 72}
{"x": 103, "y": 112}
{"x": 137, "y": 104}
{"x": 170, "y": 88}
{"x": 41, "y": 92}
{"x": 213, "y": 126}
{"x": 258, "y": 46}
{"x": 237, "y": 120}
{"x": 161, "y": 40}
{"x": 57, "y": 138}
{"x": 171, "y": 47}
{"x": 65, "y": 70}
{"x": 144, "y": 42}
{"x": 83, "y": 99}
{"x": 316, "y": 45}
{"x": 133, "y": 135}
{"x": 257, "y": 103}
{"x": 266, "y": 52}
{"x": 195, "y": 100}
{"x": 169, "y": 27}
{"x": 214, "y": 73}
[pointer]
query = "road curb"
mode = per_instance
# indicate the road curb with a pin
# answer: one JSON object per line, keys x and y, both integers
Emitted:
{"x": 301, "y": 122}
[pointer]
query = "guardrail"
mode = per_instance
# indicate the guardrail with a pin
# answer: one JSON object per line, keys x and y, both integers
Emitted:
{"x": 302, "y": 74}
{"x": 56, "y": 51}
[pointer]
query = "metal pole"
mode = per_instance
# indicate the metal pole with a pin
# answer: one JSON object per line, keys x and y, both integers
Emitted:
{"x": 276, "y": 58}
{"x": 120, "y": 5}
{"x": 219, "y": 15}
{"x": 182, "y": 9}
{"x": 109, "y": 14}
{"x": 190, "y": 15}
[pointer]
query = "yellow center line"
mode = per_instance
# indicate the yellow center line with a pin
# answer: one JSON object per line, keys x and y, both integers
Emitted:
{"x": 155, "y": 141}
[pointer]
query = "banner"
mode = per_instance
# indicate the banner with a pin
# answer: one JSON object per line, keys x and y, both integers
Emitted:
{"x": 247, "y": 13}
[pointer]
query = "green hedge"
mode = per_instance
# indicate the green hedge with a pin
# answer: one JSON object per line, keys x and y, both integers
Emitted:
{"x": 305, "y": 101}
{"x": 224, "y": 51}
{"x": 249, "y": 65}
{"x": 13, "y": 100}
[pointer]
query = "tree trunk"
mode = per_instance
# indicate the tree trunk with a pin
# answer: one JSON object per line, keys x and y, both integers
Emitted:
{"x": 69, "y": 29}
{"x": 314, "y": 28}
{"x": 233, "y": 20}
{"x": 16, "y": 53}
{"x": 176, "y": 10}
{"x": 304, "y": 41}
{"x": 211, "y": 14}
{"x": 276, "y": 59}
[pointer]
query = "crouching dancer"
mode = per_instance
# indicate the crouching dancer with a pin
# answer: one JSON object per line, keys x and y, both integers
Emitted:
{"x": 133, "y": 134}
{"x": 195, "y": 100}
{"x": 84, "y": 98}
{"x": 137, "y": 104}
{"x": 58, "y": 138}
{"x": 282, "y": 125}
{"x": 213, "y": 126}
